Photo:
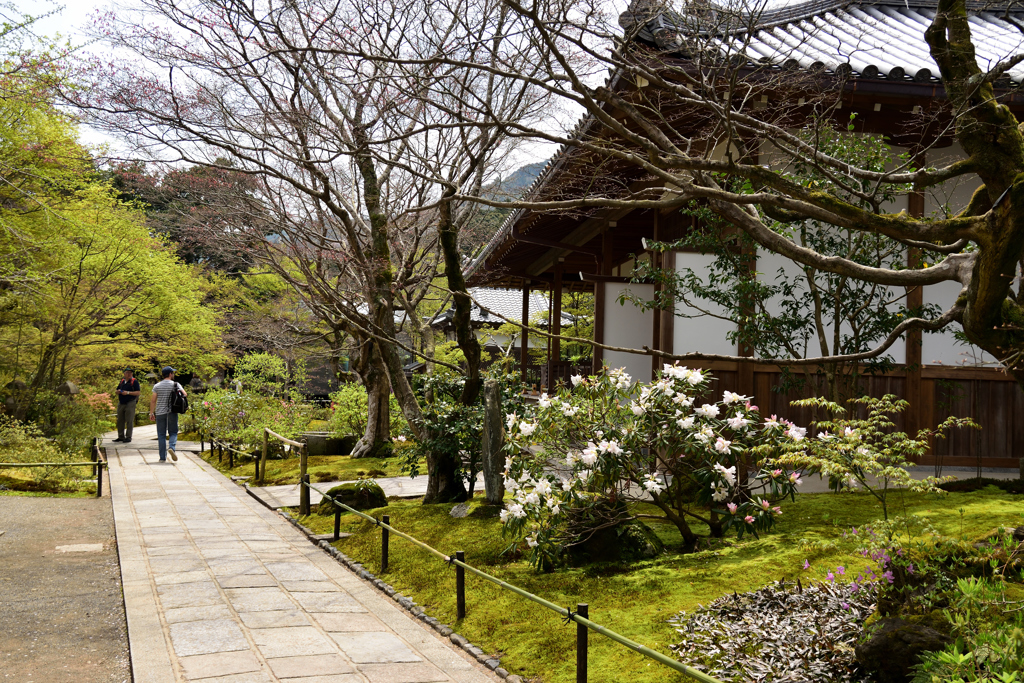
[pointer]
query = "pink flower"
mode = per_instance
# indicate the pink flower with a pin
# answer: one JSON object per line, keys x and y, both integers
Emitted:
{"x": 910, "y": 568}
{"x": 777, "y": 511}
{"x": 748, "y": 519}
{"x": 807, "y": 565}
{"x": 888, "y": 577}
{"x": 846, "y": 605}
{"x": 854, "y": 587}
{"x": 732, "y": 508}
{"x": 841, "y": 570}
{"x": 830, "y": 577}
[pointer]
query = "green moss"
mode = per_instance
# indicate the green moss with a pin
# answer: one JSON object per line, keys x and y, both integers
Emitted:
{"x": 633, "y": 599}
{"x": 337, "y": 467}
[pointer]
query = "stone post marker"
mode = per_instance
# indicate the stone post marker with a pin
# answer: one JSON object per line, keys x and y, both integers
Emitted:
{"x": 493, "y": 441}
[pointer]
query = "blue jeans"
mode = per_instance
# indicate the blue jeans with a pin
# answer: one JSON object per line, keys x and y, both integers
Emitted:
{"x": 166, "y": 433}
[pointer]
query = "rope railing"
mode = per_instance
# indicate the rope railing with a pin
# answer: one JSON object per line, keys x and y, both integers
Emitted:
{"x": 565, "y": 613}
{"x": 98, "y": 463}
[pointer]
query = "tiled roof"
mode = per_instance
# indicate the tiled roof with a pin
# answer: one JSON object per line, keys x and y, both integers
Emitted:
{"x": 868, "y": 39}
{"x": 874, "y": 39}
{"x": 501, "y": 304}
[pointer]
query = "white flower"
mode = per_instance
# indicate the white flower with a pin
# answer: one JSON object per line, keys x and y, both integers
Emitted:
{"x": 772, "y": 423}
{"x": 686, "y": 422}
{"x": 527, "y": 428}
{"x": 400, "y": 438}
{"x": 653, "y": 485}
{"x": 719, "y": 493}
{"x": 727, "y": 473}
{"x": 707, "y": 410}
{"x": 589, "y": 455}
{"x": 599, "y": 434}
{"x": 516, "y": 510}
{"x": 569, "y": 410}
{"x": 796, "y": 433}
{"x": 554, "y": 508}
{"x": 694, "y": 377}
{"x": 638, "y": 408}
{"x": 738, "y": 423}
{"x": 544, "y": 401}
{"x": 732, "y": 397}
{"x": 583, "y": 475}
{"x": 503, "y": 515}
{"x": 543, "y": 487}
{"x": 508, "y": 463}
{"x": 610, "y": 447}
{"x": 849, "y": 431}
{"x": 683, "y": 399}
{"x": 825, "y": 436}
{"x": 571, "y": 458}
{"x": 576, "y": 379}
{"x": 511, "y": 484}
{"x": 510, "y": 419}
{"x": 566, "y": 485}
{"x": 531, "y": 540}
{"x": 705, "y": 434}
{"x": 532, "y": 498}
{"x": 722, "y": 445}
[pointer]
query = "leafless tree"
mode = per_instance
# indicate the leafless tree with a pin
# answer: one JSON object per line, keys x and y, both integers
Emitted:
{"x": 362, "y": 143}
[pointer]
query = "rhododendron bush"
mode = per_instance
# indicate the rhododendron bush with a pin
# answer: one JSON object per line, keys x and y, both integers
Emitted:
{"x": 239, "y": 418}
{"x": 596, "y": 450}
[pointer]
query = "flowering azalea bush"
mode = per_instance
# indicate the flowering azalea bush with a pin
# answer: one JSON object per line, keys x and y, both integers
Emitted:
{"x": 594, "y": 452}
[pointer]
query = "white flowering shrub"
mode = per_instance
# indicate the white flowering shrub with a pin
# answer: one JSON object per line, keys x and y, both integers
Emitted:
{"x": 610, "y": 440}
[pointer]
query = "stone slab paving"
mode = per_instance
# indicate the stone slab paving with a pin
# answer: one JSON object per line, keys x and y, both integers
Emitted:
{"x": 219, "y": 589}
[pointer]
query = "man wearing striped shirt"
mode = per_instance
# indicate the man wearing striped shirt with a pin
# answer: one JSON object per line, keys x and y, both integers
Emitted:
{"x": 160, "y": 409}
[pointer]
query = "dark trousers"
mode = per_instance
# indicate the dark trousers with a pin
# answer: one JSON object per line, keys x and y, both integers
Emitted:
{"x": 126, "y": 419}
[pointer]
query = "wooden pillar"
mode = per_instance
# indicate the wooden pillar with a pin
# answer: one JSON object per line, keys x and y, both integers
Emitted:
{"x": 524, "y": 340}
{"x": 915, "y": 299}
{"x": 555, "y": 326}
{"x": 601, "y": 299}
{"x": 668, "y": 318}
{"x": 655, "y": 257}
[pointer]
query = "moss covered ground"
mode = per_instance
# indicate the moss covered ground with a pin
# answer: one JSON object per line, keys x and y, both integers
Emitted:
{"x": 19, "y": 482}
{"x": 635, "y": 599}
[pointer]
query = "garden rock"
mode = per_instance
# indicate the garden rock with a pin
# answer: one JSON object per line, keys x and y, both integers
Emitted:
{"x": 629, "y": 540}
{"x": 890, "y": 647}
{"x": 460, "y": 510}
{"x": 361, "y": 495}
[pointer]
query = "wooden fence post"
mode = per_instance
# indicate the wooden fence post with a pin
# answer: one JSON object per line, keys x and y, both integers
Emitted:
{"x": 460, "y": 586}
{"x": 583, "y": 610}
{"x": 384, "y": 539}
{"x": 304, "y": 485}
{"x": 261, "y": 467}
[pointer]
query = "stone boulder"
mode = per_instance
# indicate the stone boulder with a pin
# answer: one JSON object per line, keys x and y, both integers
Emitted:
{"x": 625, "y": 542}
{"x": 890, "y": 646}
{"x": 361, "y": 495}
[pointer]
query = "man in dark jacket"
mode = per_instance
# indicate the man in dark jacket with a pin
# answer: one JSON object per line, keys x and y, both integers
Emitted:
{"x": 128, "y": 391}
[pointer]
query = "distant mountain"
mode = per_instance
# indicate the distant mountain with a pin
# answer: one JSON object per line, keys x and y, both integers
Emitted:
{"x": 515, "y": 184}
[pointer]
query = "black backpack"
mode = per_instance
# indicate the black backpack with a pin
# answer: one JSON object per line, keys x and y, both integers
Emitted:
{"x": 179, "y": 403}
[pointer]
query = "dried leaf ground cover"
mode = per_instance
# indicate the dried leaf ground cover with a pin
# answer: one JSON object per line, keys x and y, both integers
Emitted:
{"x": 783, "y": 633}
{"x": 638, "y": 599}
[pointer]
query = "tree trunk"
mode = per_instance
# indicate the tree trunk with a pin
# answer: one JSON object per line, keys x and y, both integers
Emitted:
{"x": 461, "y": 320}
{"x": 376, "y": 440}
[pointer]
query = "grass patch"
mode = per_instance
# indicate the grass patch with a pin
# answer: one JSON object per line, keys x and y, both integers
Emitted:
{"x": 17, "y": 482}
{"x": 320, "y": 468}
{"x": 636, "y": 599}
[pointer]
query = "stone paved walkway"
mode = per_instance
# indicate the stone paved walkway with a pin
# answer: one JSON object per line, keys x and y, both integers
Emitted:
{"x": 219, "y": 589}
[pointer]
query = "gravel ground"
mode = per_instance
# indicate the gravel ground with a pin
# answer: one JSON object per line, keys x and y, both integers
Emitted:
{"x": 62, "y": 613}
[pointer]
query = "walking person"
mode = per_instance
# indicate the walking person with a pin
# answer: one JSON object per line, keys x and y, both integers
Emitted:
{"x": 166, "y": 419}
{"x": 128, "y": 390}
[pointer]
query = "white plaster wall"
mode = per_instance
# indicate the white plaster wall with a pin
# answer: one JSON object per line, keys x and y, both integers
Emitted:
{"x": 943, "y": 348}
{"x": 953, "y": 196}
{"x": 534, "y": 341}
{"x": 626, "y": 325}
{"x": 768, "y": 267}
{"x": 704, "y": 333}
